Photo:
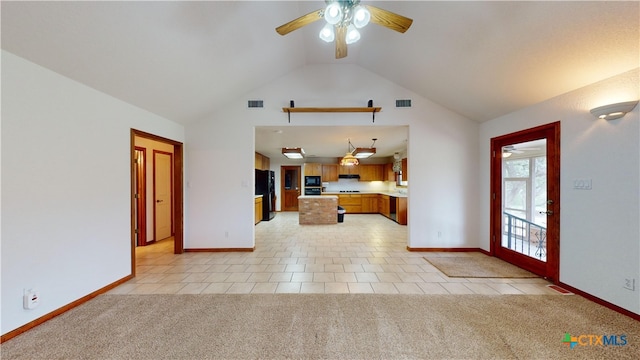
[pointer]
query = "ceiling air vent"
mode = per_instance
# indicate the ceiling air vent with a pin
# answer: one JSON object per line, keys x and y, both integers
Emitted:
{"x": 255, "y": 104}
{"x": 403, "y": 103}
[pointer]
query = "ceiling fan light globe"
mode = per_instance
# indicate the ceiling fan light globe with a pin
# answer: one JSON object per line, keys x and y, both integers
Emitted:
{"x": 333, "y": 13}
{"x": 353, "y": 35}
{"x": 327, "y": 34}
{"x": 361, "y": 16}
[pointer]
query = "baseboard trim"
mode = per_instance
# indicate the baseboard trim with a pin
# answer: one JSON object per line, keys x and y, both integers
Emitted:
{"x": 604, "y": 303}
{"x": 448, "y": 250}
{"x": 221, "y": 249}
{"x": 51, "y": 315}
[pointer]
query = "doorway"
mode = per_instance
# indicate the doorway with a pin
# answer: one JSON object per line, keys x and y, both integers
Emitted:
{"x": 290, "y": 187}
{"x": 177, "y": 190}
{"x": 525, "y": 199}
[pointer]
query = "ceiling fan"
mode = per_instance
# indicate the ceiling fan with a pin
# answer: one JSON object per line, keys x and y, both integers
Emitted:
{"x": 510, "y": 149}
{"x": 344, "y": 18}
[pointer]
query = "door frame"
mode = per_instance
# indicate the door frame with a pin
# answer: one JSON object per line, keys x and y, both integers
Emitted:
{"x": 551, "y": 132}
{"x": 155, "y": 173}
{"x": 177, "y": 189}
{"x": 140, "y": 196}
{"x": 283, "y": 170}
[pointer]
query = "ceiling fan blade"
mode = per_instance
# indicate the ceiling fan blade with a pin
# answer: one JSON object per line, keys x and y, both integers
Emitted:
{"x": 300, "y": 22}
{"x": 341, "y": 42}
{"x": 388, "y": 19}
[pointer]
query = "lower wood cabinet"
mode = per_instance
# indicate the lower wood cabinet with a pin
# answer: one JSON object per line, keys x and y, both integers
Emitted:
{"x": 258, "y": 210}
{"x": 392, "y": 207}
{"x": 370, "y": 203}
{"x": 351, "y": 203}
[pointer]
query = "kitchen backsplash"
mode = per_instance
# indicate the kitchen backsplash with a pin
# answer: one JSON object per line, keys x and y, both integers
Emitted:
{"x": 362, "y": 186}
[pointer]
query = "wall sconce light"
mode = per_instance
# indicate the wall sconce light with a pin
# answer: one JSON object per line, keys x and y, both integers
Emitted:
{"x": 613, "y": 111}
{"x": 293, "y": 153}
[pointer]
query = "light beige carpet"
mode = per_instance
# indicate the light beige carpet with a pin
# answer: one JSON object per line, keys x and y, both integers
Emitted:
{"x": 341, "y": 326}
{"x": 481, "y": 266}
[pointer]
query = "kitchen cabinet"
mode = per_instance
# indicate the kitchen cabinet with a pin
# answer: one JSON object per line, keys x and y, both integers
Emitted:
{"x": 262, "y": 162}
{"x": 405, "y": 169}
{"x": 389, "y": 174}
{"x": 312, "y": 169}
{"x": 384, "y": 205}
{"x": 371, "y": 172}
{"x": 349, "y": 170}
{"x": 401, "y": 210}
{"x": 370, "y": 203}
{"x": 329, "y": 172}
{"x": 258, "y": 210}
{"x": 351, "y": 203}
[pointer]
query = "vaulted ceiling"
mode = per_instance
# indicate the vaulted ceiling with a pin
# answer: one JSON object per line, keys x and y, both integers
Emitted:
{"x": 479, "y": 59}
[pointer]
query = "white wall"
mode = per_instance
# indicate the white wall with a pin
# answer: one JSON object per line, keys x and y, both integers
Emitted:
{"x": 66, "y": 183}
{"x": 599, "y": 228}
{"x": 442, "y": 156}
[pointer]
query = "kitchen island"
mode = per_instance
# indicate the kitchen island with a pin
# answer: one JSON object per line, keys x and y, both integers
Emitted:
{"x": 317, "y": 210}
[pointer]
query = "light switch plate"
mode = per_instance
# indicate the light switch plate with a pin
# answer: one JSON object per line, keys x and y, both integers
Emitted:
{"x": 582, "y": 184}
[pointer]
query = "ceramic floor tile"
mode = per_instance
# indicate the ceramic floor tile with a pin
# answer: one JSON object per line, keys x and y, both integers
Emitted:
{"x": 456, "y": 288}
{"x": 336, "y": 288}
{"x": 366, "y": 254}
{"x": 345, "y": 277}
{"x": 408, "y": 288}
{"x": 240, "y": 288}
{"x": 384, "y": 288}
{"x": 264, "y": 288}
{"x": 193, "y": 288}
{"x": 360, "y": 288}
{"x": 302, "y": 277}
{"x": 288, "y": 288}
{"x": 432, "y": 288}
{"x": 312, "y": 288}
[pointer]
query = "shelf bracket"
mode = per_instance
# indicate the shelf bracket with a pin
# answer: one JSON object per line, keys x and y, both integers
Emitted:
{"x": 289, "y": 115}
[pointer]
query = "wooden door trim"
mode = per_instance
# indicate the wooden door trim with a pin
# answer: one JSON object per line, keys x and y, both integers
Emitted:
{"x": 156, "y": 152}
{"x": 141, "y": 190}
{"x": 177, "y": 189}
{"x": 552, "y": 134}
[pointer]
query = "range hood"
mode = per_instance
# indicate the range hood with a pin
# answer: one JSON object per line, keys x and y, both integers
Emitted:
{"x": 348, "y": 176}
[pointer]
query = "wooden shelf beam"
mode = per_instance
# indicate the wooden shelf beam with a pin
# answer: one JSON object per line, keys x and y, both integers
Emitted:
{"x": 372, "y": 110}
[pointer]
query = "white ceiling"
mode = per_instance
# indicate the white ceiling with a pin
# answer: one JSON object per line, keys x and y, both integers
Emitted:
{"x": 479, "y": 59}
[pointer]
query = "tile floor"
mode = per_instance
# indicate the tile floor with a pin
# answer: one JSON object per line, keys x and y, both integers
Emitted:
{"x": 364, "y": 254}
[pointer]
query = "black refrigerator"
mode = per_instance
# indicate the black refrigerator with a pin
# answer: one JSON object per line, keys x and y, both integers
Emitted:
{"x": 265, "y": 186}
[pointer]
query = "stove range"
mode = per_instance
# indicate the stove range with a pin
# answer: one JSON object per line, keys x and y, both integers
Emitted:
{"x": 349, "y": 191}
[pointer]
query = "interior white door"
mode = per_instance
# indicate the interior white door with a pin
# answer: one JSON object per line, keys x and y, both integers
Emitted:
{"x": 162, "y": 194}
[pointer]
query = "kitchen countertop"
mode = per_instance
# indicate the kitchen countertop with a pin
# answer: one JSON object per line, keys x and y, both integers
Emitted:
{"x": 394, "y": 194}
{"x": 327, "y": 196}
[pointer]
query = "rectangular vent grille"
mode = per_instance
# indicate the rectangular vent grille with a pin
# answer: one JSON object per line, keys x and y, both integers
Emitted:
{"x": 256, "y": 103}
{"x": 403, "y": 103}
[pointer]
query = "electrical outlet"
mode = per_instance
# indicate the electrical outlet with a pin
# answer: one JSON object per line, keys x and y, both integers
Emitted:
{"x": 30, "y": 299}
{"x": 630, "y": 284}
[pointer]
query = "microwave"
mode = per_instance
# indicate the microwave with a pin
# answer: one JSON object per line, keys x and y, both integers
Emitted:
{"x": 312, "y": 181}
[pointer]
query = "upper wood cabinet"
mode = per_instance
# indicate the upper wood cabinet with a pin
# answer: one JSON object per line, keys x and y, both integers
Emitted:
{"x": 371, "y": 172}
{"x": 262, "y": 162}
{"x": 405, "y": 169}
{"x": 312, "y": 169}
{"x": 389, "y": 174}
{"x": 329, "y": 172}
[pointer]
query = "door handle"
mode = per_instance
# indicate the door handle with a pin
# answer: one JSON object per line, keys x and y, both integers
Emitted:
{"x": 158, "y": 201}
{"x": 548, "y": 212}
